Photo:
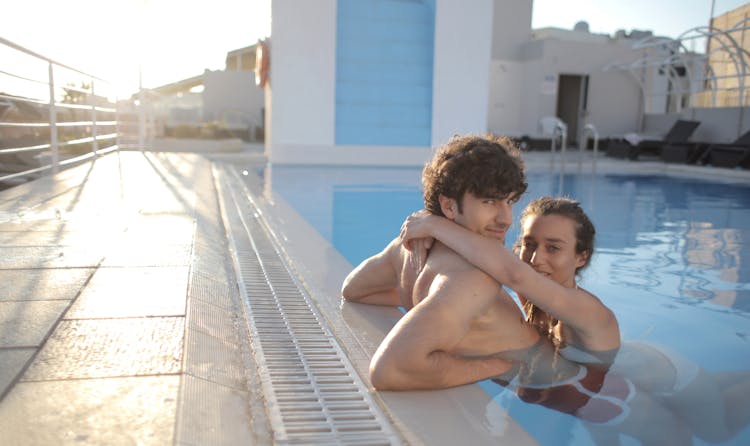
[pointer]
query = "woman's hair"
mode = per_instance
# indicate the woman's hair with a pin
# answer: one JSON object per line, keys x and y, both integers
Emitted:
{"x": 488, "y": 166}
{"x": 584, "y": 233}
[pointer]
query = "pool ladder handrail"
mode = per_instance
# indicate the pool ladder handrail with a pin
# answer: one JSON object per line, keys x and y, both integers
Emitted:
{"x": 560, "y": 131}
{"x": 588, "y": 130}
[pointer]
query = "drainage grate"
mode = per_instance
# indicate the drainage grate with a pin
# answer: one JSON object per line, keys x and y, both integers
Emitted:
{"x": 313, "y": 394}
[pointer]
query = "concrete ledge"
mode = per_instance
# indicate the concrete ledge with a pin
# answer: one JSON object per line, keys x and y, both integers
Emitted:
{"x": 349, "y": 155}
{"x": 231, "y": 145}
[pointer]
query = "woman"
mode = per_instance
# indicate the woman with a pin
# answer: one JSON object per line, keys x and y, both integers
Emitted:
{"x": 556, "y": 243}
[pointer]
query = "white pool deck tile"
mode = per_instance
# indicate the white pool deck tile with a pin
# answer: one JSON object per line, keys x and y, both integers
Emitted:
{"x": 116, "y": 327}
{"x": 127, "y": 410}
{"x": 42, "y": 284}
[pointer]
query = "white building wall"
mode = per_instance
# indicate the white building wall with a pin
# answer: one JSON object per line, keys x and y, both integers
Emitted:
{"x": 614, "y": 98}
{"x": 463, "y": 38}
{"x": 511, "y": 27}
{"x": 232, "y": 97}
{"x": 487, "y": 77}
{"x": 614, "y": 103}
{"x": 302, "y": 75}
{"x": 505, "y": 98}
{"x": 655, "y": 86}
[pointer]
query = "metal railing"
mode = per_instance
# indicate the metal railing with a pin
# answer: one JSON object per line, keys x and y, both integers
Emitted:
{"x": 560, "y": 132}
{"x": 46, "y": 123}
{"x": 557, "y": 129}
{"x": 718, "y": 78}
{"x": 588, "y": 131}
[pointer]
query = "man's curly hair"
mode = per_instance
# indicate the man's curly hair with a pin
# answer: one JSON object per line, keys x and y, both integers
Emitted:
{"x": 486, "y": 166}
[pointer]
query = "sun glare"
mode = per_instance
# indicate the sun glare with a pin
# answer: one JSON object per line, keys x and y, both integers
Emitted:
{"x": 158, "y": 41}
{"x": 164, "y": 41}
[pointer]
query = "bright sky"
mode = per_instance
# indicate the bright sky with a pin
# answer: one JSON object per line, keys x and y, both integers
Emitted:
{"x": 664, "y": 17}
{"x": 177, "y": 39}
{"x": 170, "y": 39}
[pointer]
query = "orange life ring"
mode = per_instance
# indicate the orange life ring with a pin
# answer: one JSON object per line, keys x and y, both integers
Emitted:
{"x": 262, "y": 55}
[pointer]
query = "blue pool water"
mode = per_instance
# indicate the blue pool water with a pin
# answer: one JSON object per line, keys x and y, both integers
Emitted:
{"x": 672, "y": 261}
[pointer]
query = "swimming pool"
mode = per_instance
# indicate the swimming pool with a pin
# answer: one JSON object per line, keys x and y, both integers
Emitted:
{"x": 671, "y": 261}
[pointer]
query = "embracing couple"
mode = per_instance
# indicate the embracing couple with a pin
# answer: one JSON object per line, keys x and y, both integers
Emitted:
{"x": 448, "y": 268}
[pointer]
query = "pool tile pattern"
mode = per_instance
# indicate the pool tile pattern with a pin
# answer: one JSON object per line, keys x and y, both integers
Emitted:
{"x": 109, "y": 348}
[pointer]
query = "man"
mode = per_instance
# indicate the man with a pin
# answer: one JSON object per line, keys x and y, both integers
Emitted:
{"x": 462, "y": 326}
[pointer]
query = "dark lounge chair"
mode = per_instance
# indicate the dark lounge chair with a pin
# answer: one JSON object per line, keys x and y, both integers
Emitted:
{"x": 733, "y": 154}
{"x": 677, "y": 135}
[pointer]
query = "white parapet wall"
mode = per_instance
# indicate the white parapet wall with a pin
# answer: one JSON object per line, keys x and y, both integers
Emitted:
{"x": 309, "y": 154}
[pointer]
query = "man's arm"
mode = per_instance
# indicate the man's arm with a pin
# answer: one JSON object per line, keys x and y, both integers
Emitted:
{"x": 375, "y": 281}
{"x": 416, "y": 352}
{"x": 577, "y": 307}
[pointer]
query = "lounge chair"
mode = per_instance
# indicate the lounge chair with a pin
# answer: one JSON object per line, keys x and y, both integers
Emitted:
{"x": 683, "y": 153}
{"x": 733, "y": 154}
{"x": 633, "y": 144}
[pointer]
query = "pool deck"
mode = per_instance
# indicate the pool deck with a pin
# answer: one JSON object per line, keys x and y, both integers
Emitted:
{"x": 122, "y": 322}
{"x": 119, "y": 319}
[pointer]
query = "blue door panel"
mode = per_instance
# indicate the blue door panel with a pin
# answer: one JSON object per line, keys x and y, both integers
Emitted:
{"x": 384, "y": 65}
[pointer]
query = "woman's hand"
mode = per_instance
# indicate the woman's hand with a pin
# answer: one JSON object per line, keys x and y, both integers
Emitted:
{"x": 416, "y": 238}
{"x": 418, "y": 253}
{"x": 417, "y": 226}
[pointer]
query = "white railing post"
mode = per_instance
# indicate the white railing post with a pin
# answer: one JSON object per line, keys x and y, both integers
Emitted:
{"x": 151, "y": 125}
{"x": 53, "y": 122}
{"x": 141, "y": 121}
{"x": 563, "y": 128}
{"x": 95, "y": 144}
{"x": 118, "y": 141}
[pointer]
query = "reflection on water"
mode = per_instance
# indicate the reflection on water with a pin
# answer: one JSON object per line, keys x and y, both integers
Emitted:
{"x": 674, "y": 237}
{"x": 671, "y": 261}
{"x": 651, "y": 394}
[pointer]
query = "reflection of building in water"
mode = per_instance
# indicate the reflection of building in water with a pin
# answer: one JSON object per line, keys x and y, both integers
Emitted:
{"x": 713, "y": 254}
{"x": 672, "y": 241}
{"x": 720, "y": 252}
{"x": 716, "y": 249}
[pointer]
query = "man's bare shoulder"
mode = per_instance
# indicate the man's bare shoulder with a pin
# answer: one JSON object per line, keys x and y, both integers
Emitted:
{"x": 455, "y": 278}
{"x": 446, "y": 261}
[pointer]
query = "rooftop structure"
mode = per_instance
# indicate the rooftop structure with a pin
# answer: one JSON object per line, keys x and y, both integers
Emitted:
{"x": 218, "y": 102}
{"x": 726, "y": 66}
{"x": 370, "y": 81}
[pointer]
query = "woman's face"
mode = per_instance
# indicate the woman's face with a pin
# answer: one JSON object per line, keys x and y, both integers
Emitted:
{"x": 548, "y": 244}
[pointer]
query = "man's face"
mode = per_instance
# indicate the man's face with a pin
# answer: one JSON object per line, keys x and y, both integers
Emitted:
{"x": 490, "y": 217}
